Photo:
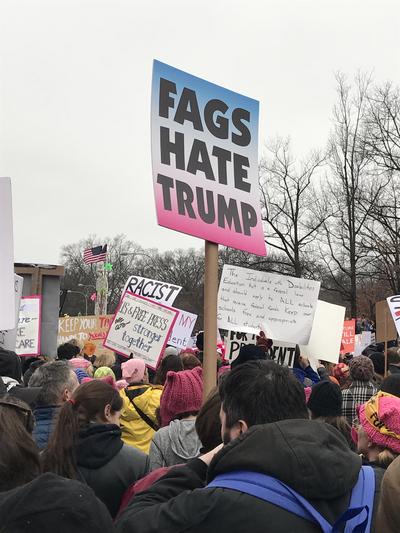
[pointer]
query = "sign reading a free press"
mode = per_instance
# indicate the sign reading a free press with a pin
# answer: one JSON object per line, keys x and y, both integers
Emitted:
{"x": 205, "y": 160}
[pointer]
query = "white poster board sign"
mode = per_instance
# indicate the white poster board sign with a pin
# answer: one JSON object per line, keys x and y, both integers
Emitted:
{"x": 234, "y": 341}
{"x": 141, "y": 327}
{"x": 281, "y": 306}
{"x": 394, "y": 306}
{"x": 7, "y": 298}
{"x": 181, "y": 333}
{"x": 28, "y": 331}
{"x": 158, "y": 291}
{"x": 8, "y": 337}
{"x": 362, "y": 341}
{"x": 326, "y": 334}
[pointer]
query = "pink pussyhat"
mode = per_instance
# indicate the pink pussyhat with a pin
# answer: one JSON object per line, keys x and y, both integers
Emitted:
{"x": 133, "y": 370}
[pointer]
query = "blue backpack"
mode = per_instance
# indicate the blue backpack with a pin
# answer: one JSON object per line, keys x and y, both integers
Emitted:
{"x": 357, "y": 517}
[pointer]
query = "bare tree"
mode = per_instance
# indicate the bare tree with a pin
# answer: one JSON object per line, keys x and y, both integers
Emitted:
{"x": 291, "y": 208}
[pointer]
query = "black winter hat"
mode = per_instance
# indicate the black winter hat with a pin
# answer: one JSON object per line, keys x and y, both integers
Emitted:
{"x": 325, "y": 399}
{"x": 10, "y": 365}
{"x": 51, "y": 503}
{"x": 378, "y": 360}
{"x": 247, "y": 353}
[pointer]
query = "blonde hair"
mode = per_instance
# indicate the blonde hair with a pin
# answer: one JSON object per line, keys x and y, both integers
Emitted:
{"x": 385, "y": 458}
{"x": 105, "y": 359}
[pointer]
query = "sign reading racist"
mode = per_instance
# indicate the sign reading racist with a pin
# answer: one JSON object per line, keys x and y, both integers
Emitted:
{"x": 205, "y": 160}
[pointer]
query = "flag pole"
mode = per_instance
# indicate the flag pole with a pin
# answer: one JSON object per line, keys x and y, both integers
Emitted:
{"x": 210, "y": 318}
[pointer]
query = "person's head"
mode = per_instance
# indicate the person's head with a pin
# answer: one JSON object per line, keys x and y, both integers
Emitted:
{"x": 134, "y": 371}
{"x": 341, "y": 373}
{"x": 19, "y": 456}
{"x": 200, "y": 341}
{"x": 208, "y": 422}
{"x": 189, "y": 361}
{"x": 391, "y": 385}
{"x": 67, "y": 351}
{"x": 325, "y": 400}
{"x": 393, "y": 356}
{"x": 105, "y": 359}
{"x": 92, "y": 402}
{"x": 57, "y": 380}
{"x": 361, "y": 368}
{"x": 247, "y": 353}
{"x": 10, "y": 365}
{"x": 379, "y": 429}
{"x": 170, "y": 350}
{"x": 378, "y": 360}
{"x": 170, "y": 362}
{"x": 182, "y": 395}
{"x": 259, "y": 392}
{"x": 104, "y": 371}
{"x": 89, "y": 348}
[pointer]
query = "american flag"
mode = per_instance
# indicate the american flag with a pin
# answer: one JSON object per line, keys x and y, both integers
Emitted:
{"x": 95, "y": 255}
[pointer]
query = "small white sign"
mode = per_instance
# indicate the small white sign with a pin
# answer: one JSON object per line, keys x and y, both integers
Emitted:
{"x": 28, "y": 331}
{"x": 158, "y": 291}
{"x": 182, "y": 330}
{"x": 8, "y": 337}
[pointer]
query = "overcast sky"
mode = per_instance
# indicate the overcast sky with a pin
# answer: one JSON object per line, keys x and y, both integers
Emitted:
{"x": 75, "y": 84}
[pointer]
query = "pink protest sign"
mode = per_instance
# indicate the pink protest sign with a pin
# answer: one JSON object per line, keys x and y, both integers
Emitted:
{"x": 29, "y": 322}
{"x": 347, "y": 344}
{"x": 205, "y": 160}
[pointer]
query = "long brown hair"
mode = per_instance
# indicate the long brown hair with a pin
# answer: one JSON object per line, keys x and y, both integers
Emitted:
{"x": 19, "y": 456}
{"x": 88, "y": 401}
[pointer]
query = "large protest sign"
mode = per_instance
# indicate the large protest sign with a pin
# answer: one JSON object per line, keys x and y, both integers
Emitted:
{"x": 283, "y": 307}
{"x": 348, "y": 340}
{"x": 205, "y": 160}
{"x": 385, "y": 325}
{"x": 8, "y": 337}
{"x": 85, "y": 329}
{"x": 28, "y": 332}
{"x": 182, "y": 330}
{"x": 7, "y": 298}
{"x": 394, "y": 306}
{"x": 234, "y": 341}
{"x": 140, "y": 327}
{"x": 158, "y": 291}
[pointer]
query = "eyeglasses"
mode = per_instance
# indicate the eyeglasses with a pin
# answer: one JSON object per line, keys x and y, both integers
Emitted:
{"x": 27, "y": 413}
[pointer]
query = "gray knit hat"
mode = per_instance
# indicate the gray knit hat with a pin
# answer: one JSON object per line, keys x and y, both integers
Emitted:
{"x": 361, "y": 368}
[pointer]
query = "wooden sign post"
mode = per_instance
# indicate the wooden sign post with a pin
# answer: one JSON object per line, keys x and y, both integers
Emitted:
{"x": 210, "y": 317}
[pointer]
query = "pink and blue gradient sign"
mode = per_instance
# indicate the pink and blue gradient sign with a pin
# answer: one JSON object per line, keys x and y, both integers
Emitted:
{"x": 205, "y": 160}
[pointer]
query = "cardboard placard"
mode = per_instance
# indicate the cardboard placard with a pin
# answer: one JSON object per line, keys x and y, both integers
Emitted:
{"x": 385, "y": 326}
{"x": 28, "y": 331}
{"x": 394, "y": 306}
{"x": 84, "y": 329}
{"x": 182, "y": 330}
{"x": 7, "y": 293}
{"x": 282, "y": 306}
{"x": 205, "y": 160}
{"x": 142, "y": 327}
{"x": 8, "y": 337}
{"x": 158, "y": 291}
{"x": 348, "y": 340}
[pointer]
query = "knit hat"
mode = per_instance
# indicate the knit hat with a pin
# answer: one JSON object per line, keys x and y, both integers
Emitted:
{"x": 341, "y": 371}
{"x": 361, "y": 368}
{"x": 170, "y": 350}
{"x": 133, "y": 370}
{"x": 89, "y": 348}
{"x": 79, "y": 362}
{"x": 80, "y": 374}
{"x": 247, "y": 353}
{"x": 183, "y": 393}
{"x": 104, "y": 371}
{"x": 378, "y": 360}
{"x": 380, "y": 420}
{"x": 325, "y": 399}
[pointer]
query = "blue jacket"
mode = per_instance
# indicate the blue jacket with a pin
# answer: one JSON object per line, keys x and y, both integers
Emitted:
{"x": 308, "y": 372}
{"x": 45, "y": 421}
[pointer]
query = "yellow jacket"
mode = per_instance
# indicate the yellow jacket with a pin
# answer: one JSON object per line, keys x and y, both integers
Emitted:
{"x": 135, "y": 431}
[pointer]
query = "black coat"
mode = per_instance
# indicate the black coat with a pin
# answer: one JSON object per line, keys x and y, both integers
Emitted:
{"x": 311, "y": 457}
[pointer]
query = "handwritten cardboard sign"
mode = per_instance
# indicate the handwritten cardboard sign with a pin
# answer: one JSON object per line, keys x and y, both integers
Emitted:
{"x": 141, "y": 327}
{"x": 182, "y": 330}
{"x": 348, "y": 340}
{"x": 282, "y": 306}
{"x": 84, "y": 329}
{"x": 8, "y": 337}
{"x": 28, "y": 331}
{"x": 204, "y": 141}
{"x": 7, "y": 297}
{"x": 158, "y": 291}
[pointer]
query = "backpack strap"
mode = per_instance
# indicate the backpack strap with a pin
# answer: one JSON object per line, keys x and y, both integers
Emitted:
{"x": 362, "y": 496}
{"x": 142, "y": 415}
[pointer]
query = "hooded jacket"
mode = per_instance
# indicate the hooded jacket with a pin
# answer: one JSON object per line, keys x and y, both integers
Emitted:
{"x": 174, "y": 444}
{"x": 45, "y": 418}
{"x": 107, "y": 465}
{"x": 312, "y": 458}
{"x": 135, "y": 431}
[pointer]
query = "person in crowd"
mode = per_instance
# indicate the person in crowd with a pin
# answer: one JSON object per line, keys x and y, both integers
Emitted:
{"x": 388, "y": 516}
{"x": 67, "y": 351}
{"x": 57, "y": 381}
{"x": 51, "y": 503}
{"x": 86, "y": 444}
{"x": 189, "y": 361}
{"x": 393, "y": 360}
{"x": 170, "y": 363}
{"x": 267, "y": 432}
{"x": 170, "y": 350}
{"x": 141, "y": 403}
{"x": 248, "y": 352}
{"x": 361, "y": 389}
{"x": 208, "y": 427}
{"x": 81, "y": 375}
{"x": 342, "y": 373}
{"x": 378, "y": 360}
{"x": 103, "y": 371}
{"x": 10, "y": 368}
{"x": 379, "y": 429}
{"x": 88, "y": 351}
{"x": 200, "y": 346}
{"x": 325, "y": 405}
{"x": 391, "y": 385}
{"x": 177, "y": 441}
{"x": 33, "y": 366}
{"x": 303, "y": 370}
{"x": 79, "y": 362}
{"x": 104, "y": 359}
{"x": 19, "y": 456}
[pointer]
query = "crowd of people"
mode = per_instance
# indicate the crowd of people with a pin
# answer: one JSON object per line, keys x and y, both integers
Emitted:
{"x": 96, "y": 443}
